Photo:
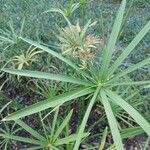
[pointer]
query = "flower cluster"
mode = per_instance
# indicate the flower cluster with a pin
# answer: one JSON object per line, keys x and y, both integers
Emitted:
{"x": 75, "y": 42}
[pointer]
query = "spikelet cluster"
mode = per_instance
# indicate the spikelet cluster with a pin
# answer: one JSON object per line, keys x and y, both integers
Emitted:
{"x": 76, "y": 42}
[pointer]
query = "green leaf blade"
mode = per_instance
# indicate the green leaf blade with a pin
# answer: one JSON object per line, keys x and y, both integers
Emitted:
{"x": 57, "y": 100}
{"x": 44, "y": 75}
{"x": 130, "y": 110}
{"x": 84, "y": 121}
{"x": 103, "y": 140}
{"x": 113, "y": 38}
{"x": 33, "y": 132}
{"x": 68, "y": 139}
{"x": 21, "y": 139}
{"x": 129, "y": 48}
{"x": 132, "y": 68}
{"x": 112, "y": 122}
{"x": 131, "y": 132}
{"x": 136, "y": 83}
{"x": 62, "y": 126}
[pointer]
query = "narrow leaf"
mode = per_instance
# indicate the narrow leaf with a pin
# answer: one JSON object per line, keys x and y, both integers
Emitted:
{"x": 68, "y": 139}
{"x": 103, "y": 140}
{"x": 137, "y": 83}
{"x": 48, "y": 103}
{"x": 113, "y": 38}
{"x": 54, "y": 121}
{"x": 44, "y": 75}
{"x": 30, "y": 130}
{"x": 62, "y": 126}
{"x": 85, "y": 119}
{"x": 129, "y": 48}
{"x": 21, "y": 139}
{"x": 130, "y": 110}
{"x": 132, "y": 68}
{"x": 131, "y": 132}
{"x": 112, "y": 122}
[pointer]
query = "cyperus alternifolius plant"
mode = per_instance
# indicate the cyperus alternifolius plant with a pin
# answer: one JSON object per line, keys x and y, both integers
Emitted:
{"x": 101, "y": 86}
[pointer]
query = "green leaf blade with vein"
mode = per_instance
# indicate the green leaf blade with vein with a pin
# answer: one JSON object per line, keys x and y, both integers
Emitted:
{"x": 55, "y": 54}
{"x": 113, "y": 38}
{"x": 22, "y": 139}
{"x": 112, "y": 122}
{"x": 103, "y": 140}
{"x": 136, "y": 83}
{"x": 131, "y": 132}
{"x": 44, "y": 75}
{"x": 70, "y": 138}
{"x": 54, "y": 122}
{"x": 85, "y": 119}
{"x": 33, "y": 132}
{"x": 130, "y": 110}
{"x": 132, "y": 68}
{"x": 62, "y": 126}
{"x": 40, "y": 106}
{"x": 129, "y": 48}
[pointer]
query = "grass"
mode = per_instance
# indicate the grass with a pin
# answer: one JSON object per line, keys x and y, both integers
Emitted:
{"x": 107, "y": 78}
